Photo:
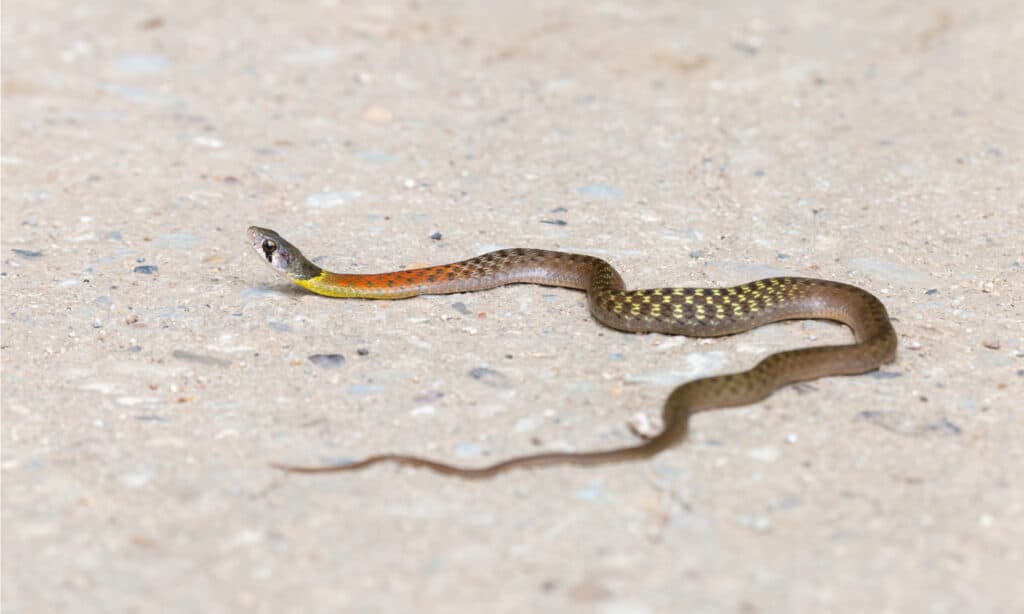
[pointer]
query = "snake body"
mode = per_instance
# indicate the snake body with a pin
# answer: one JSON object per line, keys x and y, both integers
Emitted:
{"x": 695, "y": 312}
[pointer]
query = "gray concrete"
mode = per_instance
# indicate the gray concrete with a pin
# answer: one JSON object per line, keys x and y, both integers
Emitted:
{"x": 152, "y": 366}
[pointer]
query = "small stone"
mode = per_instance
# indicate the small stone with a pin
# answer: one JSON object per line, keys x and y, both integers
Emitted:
{"x": 589, "y": 592}
{"x": 428, "y": 397}
{"x": 330, "y": 200}
{"x": 327, "y": 360}
{"x": 435, "y": 236}
{"x": 599, "y": 191}
{"x": 991, "y": 343}
{"x": 468, "y": 449}
{"x": 757, "y": 523}
{"x": 886, "y": 375}
{"x": 642, "y": 426}
{"x": 363, "y": 352}
{"x": 765, "y": 454}
{"x": 378, "y": 115}
{"x": 489, "y": 377}
{"x": 208, "y": 141}
{"x": 146, "y": 269}
{"x": 365, "y": 388}
{"x": 28, "y": 254}
{"x": 201, "y": 359}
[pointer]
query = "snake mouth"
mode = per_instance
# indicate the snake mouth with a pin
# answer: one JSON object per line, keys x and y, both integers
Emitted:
{"x": 281, "y": 255}
{"x": 257, "y": 235}
{"x": 266, "y": 243}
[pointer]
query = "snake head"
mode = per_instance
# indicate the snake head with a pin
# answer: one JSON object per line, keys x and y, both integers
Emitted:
{"x": 281, "y": 255}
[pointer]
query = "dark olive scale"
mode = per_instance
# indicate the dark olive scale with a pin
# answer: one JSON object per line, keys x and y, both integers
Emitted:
{"x": 698, "y": 312}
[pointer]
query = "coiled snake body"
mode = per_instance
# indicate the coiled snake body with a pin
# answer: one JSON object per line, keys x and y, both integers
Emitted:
{"x": 695, "y": 312}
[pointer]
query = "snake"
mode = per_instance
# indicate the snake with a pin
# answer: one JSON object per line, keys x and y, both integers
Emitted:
{"x": 693, "y": 312}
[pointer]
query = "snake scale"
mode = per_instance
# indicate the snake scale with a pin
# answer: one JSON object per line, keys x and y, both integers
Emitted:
{"x": 695, "y": 312}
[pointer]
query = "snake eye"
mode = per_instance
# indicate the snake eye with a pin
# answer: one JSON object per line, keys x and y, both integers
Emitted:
{"x": 269, "y": 247}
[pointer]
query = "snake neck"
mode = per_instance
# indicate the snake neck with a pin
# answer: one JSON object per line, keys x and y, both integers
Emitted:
{"x": 490, "y": 270}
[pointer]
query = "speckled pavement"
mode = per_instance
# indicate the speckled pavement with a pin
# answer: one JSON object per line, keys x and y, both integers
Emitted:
{"x": 152, "y": 367}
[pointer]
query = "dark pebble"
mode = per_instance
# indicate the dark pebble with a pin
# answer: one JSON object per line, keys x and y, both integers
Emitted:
{"x": 428, "y": 397}
{"x": 909, "y": 425}
{"x": 436, "y": 236}
{"x": 489, "y": 377}
{"x": 28, "y": 254}
{"x": 363, "y": 352}
{"x": 559, "y": 210}
{"x": 555, "y": 222}
{"x": 782, "y": 256}
{"x": 146, "y": 269}
{"x": 932, "y": 291}
{"x": 327, "y": 360}
{"x": 745, "y": 48}
{"x": 461, "y": 308}
{"x": 695, "y": 254}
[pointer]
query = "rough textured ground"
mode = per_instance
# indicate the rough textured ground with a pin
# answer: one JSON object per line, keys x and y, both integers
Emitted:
{"x": 152, "y": 366}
